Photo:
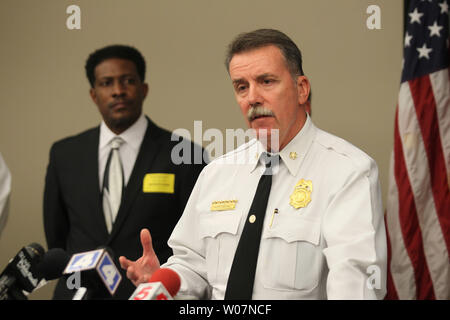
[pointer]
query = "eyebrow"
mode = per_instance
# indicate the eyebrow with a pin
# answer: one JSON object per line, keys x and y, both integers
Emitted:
{"x": 260, "y": 77}
{"x": 265, "y": 75}
{"x": 237, "y": 81}
{"x": 120, "y": 76}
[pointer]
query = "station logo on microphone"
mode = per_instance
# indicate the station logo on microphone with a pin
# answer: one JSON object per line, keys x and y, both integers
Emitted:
{"x": 109, "y": 274}
{"x": 83, "y": 261}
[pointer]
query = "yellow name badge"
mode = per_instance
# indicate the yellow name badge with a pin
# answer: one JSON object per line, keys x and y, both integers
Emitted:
{"x": 159, "y": 183}
{"x": 223, "y": 205}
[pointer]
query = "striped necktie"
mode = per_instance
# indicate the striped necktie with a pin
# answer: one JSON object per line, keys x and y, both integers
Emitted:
{"x": 113, "y": 183}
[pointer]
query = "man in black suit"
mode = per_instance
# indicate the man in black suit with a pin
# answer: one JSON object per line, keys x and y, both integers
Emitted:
{"x": 107, "y": 183}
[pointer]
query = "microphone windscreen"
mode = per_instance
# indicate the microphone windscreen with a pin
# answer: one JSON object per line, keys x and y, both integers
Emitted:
{"x": 53, "y": 264}
{"x": 169, "y": 278}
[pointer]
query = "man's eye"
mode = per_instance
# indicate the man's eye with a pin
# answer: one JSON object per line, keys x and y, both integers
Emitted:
{"x": 130, "y": 81}
{"x": 104, "y": 83}
{"x": 241, "y": 88}
{"x": 268, "y": 81}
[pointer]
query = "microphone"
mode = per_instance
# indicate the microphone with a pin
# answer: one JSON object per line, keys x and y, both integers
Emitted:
{"x": 20, "y": 275}
{"x": 52, "y": 264}
{"x": 97, "y": 272}
{"x": 163, "y": 285}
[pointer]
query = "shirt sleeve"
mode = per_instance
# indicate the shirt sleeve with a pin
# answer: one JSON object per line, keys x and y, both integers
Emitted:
{"x": 5, "y": 189}
{"x": 188, "y": 258}
{"x": 353, "y": 228}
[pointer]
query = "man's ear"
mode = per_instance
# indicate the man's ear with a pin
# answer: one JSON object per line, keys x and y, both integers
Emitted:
{"x": 145, "y": 89}
{"x": 93, "y": 95}
{"x": 303, "y": 88}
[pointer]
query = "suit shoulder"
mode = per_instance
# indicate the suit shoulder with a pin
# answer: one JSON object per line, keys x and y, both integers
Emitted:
{"x": 78, "y": 139}
{"x": 178, "y": 146}
{"x": 174, "y": 139}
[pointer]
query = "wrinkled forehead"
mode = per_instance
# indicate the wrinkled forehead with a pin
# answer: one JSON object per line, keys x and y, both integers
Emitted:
{"x": 264, "y": 60}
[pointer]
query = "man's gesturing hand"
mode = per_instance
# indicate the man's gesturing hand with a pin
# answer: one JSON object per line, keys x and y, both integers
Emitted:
{"x": 141, "y": 270}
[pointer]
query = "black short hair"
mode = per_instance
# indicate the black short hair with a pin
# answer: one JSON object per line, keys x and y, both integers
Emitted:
{"x": 265, "y": 37}
{"x": 114, "y": 51}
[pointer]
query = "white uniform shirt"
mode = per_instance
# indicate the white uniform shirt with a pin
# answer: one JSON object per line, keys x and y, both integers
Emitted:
{"x": 128, "y": 151}
{"x": 334, "y": 247}
{"x": 5, "y": 189}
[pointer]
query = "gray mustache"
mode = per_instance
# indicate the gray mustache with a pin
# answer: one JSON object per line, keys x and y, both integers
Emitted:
{"x": 259, "y": 111}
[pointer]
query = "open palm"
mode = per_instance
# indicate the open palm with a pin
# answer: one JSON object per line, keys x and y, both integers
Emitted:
{"x": 141, "y": 270}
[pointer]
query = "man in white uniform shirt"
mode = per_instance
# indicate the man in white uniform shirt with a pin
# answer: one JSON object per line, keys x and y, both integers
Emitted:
{"x": 323, "y": 233}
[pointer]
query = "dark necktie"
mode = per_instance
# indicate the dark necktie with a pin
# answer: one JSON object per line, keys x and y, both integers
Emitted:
{"x": 242, "y": 274}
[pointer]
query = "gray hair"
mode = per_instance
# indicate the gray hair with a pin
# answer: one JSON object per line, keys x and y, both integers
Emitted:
{"x": 265, "y": 37}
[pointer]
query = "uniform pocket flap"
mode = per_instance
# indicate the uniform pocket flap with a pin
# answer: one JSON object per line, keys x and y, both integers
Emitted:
{"x": 214, "y": 223}
{"x": 293, "y": 228}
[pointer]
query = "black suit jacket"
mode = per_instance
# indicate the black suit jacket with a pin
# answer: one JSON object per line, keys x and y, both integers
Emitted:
{"x": 73, "y": 213}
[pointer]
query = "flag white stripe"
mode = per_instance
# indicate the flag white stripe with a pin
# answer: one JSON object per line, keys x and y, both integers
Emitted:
{"x": 401, "y": 267}
{"x": 419, "y": 176}
{"x": 441, "y": 89}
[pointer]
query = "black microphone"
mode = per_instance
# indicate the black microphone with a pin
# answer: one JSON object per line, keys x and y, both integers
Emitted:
{"x": 52, "y": 264}
{"x": 20, "y": 274}
{"x": 95, "y": 273}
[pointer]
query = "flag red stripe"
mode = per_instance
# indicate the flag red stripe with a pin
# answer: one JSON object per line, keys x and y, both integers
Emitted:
{"x": 425, "y": 105}
{"x": 412, "y": 234}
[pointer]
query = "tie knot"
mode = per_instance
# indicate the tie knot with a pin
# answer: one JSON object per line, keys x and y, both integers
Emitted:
{"x": 270, "y": 160}
{"x": 116, "y": 142}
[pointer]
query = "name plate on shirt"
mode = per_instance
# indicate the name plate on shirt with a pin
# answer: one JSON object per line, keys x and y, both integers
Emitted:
{"x": 223, "y": 205}
{"x": 159, "y": 183}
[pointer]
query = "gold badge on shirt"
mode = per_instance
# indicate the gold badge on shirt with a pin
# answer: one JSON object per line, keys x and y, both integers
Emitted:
{"x": 302, "y": 194}
{"x": 223, "y": 205}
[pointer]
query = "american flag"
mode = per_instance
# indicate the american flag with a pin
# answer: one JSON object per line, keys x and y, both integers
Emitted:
{"x": 418, "y": 201}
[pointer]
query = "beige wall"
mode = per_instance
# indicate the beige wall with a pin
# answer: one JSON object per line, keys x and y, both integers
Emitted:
{"x": 354, "y": 73}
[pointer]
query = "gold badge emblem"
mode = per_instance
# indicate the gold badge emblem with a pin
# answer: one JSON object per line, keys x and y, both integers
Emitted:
{"x": 302, "y": 194}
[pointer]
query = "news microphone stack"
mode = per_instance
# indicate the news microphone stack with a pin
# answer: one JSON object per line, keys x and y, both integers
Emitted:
{"x": 20, "y": 275}
{"x": 99, "y": 275}
{"x": 163, "y": 285}
{"x": 52, "y": 264}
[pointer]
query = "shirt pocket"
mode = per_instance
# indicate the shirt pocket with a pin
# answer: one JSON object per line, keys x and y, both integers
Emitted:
{"x": 218, "y": 230}
{"x": 292, "y": 258}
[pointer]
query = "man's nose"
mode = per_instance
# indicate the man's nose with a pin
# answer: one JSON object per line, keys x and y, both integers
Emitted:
{"x": 118, "y": 89}
{"x": 254, "y": 97}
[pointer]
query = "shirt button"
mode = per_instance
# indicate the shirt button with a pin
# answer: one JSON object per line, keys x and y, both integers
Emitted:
{"x": 252, "y": 218}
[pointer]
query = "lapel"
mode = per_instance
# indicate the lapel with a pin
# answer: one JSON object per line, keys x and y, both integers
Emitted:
{"x": 92, "y": 187}
{"x": 145, "y": 158}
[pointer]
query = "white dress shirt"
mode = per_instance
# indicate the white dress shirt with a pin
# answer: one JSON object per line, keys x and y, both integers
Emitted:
{"x": 334, "y": 247}
{"x": 5, "y": 189}
{"x": 128, "y": 151}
